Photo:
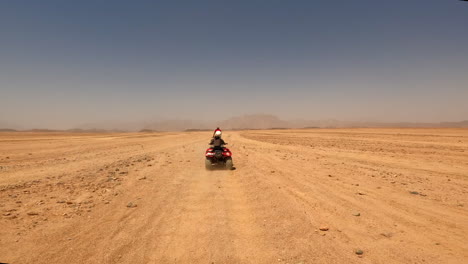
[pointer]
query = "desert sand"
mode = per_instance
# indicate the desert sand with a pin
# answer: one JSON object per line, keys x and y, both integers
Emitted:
{"x": 297, "y": 196}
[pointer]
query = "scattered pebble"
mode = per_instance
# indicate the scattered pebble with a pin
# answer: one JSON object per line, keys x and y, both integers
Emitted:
{"x": 324, "y": 228}
{"x": 356, "y": 214}
{"x": 131, "y": 205}
{"x": 359, "y": 252}
{"x": 414, "y": 192}
{"x": 387, "y": 235}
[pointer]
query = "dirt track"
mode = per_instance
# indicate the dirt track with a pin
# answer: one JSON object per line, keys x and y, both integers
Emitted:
{"x": 65, "y": 198}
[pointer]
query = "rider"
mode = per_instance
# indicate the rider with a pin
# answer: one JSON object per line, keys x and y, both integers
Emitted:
{"x": 217, "y": 141}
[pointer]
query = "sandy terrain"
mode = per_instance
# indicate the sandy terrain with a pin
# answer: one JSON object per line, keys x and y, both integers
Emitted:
{"x": 399, "y": 195}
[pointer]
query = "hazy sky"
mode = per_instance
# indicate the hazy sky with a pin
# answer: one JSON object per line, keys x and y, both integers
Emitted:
{"x": 64, "y": 63}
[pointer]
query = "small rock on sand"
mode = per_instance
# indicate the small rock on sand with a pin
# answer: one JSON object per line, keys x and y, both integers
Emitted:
{"x": 387, "y": 235}
{"x": 359, "y": 252}
{"x": 131, "y": 205}
{"x": 324, "y": 228}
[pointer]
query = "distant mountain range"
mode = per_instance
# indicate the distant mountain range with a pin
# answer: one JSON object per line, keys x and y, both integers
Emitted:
{"x": 261, "y": 121}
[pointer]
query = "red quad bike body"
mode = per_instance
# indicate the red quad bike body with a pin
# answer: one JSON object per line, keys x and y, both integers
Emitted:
{"x": 218, "y": 157}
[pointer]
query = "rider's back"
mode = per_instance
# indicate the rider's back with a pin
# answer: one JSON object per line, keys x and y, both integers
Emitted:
{"x": 217, "y": 142}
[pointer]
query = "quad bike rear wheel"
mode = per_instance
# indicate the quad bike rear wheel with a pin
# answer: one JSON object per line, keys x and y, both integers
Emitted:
{"x": 208, "y": 164}
{"x": 228, "y": 164}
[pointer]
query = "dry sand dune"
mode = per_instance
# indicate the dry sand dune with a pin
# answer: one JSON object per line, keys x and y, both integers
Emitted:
{"x": 399, "y": 195}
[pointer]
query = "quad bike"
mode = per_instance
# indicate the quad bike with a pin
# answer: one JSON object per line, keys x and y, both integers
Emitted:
{"x": 218, "y": 157}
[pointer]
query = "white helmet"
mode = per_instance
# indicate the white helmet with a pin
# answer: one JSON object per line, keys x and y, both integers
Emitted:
{"x": 217, "y": 133}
